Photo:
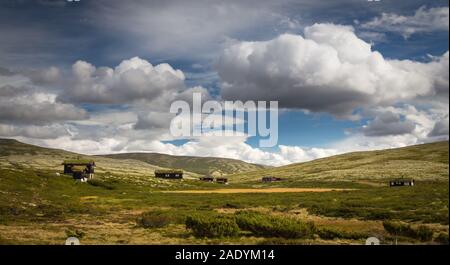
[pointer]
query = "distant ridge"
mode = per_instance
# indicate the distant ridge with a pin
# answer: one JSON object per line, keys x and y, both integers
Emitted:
{"x": 201, "y": 165}
{"x": 422, "y": 162}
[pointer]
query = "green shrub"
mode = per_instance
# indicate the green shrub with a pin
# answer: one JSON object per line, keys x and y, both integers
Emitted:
{"x": 231, "y": 205}
{"x": 329, "y": 233}
{"x": 10, "y": 210}
{"x": 212, "y": 226}
{"x": 286, "y": 241}
{"x": 326, "y": 233}
{"x": 75, "y": 233}
{"x": 378, "y": 214}
{"x": 155, "y": 219}
{"x": 422, "y": 233}
{"x": 102, "y": 184}
{"x": 442, "y": 238}
{"x": 398, "y": 229}
{"x": 335, "y": 211}
{"x": 50, "y": 211}
{"x": 273, "y": 226}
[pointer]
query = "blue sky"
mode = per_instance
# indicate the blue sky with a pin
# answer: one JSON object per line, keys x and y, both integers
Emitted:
{"x": 43, "y": 40}
{"x": 80, "y": 35}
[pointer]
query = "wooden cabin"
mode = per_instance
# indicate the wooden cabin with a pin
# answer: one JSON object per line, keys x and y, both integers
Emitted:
{"x": 79, "y": 169}
{"x": 222, "y": 180}
{"x": 401, "y": 182}
{"x": 207, "y": 179}
{"x": 169, "y": 174}
{"x": 270, "y": 179}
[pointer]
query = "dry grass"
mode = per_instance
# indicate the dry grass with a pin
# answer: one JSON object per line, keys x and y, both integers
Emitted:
{"x": 120, "y": 228}
{"x": 115, "y": 229}
{"x": 267, "y": 190}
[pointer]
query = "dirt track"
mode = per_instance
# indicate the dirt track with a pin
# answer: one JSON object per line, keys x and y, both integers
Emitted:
{"x": 270, "y": 190}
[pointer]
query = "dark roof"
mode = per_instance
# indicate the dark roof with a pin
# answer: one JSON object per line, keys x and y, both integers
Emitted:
{"x": 169, "y": 171}
{"x": 78, "y": 162}
{"x": 404, "y": 180}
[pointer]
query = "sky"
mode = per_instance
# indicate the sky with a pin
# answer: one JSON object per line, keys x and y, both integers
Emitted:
{"x": 99, "y": 77}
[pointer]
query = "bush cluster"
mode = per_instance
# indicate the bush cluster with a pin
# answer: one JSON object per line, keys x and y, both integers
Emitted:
{"x": 75, "y": 233}
{"x": 329, "y": 233}
{"x": 422, "y": 233}
{"x": 442, "y": 238}
{"x": 155, "y": 219}
{"x": 212, "y": 226}
{"x": 273, "y": 226}
{"x": 102, "y": 184}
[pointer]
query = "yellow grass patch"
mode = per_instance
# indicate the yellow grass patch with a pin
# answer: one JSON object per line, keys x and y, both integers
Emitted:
{"x": 269, "y": 190}
{"x": 88, "y": 198}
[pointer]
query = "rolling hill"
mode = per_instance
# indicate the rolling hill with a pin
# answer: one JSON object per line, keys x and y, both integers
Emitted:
{"x": 200, "y": 165}
{"x": 18, "y": 155}
{"x": 15, "y": 153}
{"x": 421, "y": 162}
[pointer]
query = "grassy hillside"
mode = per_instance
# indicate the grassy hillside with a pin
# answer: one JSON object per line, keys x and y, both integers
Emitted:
{"x": 9, "y": 147}
{"x": 421, "y": 162}
{"x": 201, "y": 165}
{"x": 14, "y": 154}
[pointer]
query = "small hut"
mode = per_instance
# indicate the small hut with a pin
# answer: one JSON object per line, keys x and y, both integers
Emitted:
{"x": 79, "y": 168}
{"x": 270, "y": 179}
{"x": 401, "y": 182}
{"x": 222, "y": 180}
{"x": 207, "y": 179}
{"x": 169, "y": 173}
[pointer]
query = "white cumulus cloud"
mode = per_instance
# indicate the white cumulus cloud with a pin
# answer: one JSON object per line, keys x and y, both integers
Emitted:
{"x": 132, "y": 80}
{"x": 329, "y": 69}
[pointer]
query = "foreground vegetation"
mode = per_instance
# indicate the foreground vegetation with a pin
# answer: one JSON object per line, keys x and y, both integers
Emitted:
{"x": 54, "y": 204}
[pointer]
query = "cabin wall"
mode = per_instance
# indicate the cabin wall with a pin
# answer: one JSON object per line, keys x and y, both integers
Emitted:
{"x": 67, "y": 169}
{"x": 207, "y": 179}
{"x": 169, "y": 175}
{"x": 222, "y": 180}
{"x": 90, "y": 169}
{"x": 401, "y": 183}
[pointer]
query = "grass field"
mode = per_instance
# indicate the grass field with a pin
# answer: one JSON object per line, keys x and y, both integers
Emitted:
{"x": 127, "y": 205}
{"x": 253, "y": 190}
